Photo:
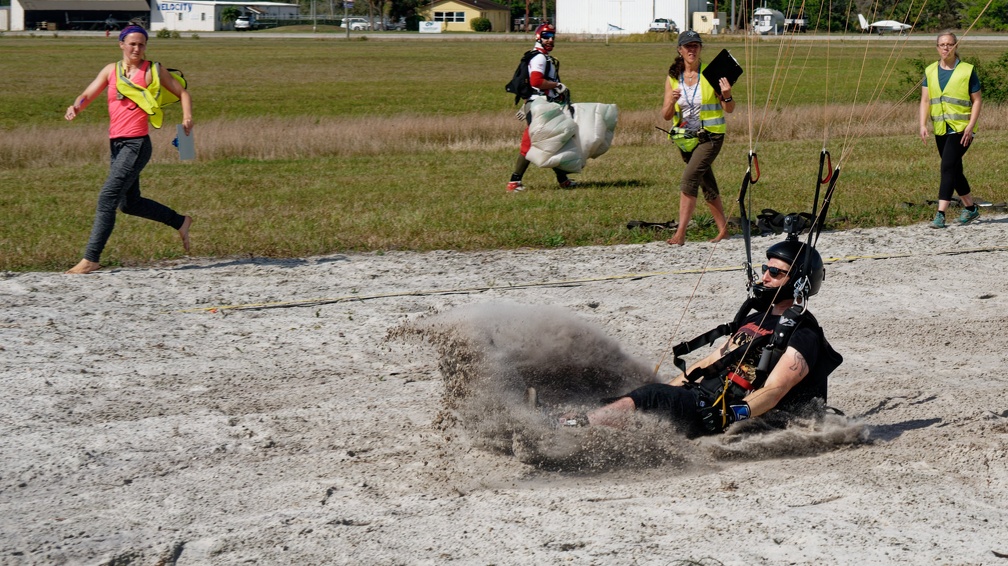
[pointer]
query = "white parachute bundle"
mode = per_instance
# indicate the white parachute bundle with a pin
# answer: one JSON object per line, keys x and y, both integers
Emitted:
{"x": 558, "y": 140}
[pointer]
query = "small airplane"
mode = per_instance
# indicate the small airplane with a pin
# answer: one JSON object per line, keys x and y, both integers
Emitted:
{"x": 109, "y": 23}
{"x": 883, "y": 25}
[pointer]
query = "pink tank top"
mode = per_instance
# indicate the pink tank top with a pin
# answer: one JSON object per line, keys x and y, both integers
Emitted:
{"x": 126, "y": 119}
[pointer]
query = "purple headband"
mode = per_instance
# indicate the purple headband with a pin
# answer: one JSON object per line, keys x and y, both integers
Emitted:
{"x": 132, "y": 29}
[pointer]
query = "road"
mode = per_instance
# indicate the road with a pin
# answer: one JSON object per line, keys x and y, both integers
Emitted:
{"x": 516, "y": 37}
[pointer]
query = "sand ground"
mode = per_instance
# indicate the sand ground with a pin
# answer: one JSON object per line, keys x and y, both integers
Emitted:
{"x": 328, "y": 410}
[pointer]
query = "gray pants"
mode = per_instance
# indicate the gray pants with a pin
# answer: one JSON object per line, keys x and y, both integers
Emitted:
{"x": 122, "y": 191}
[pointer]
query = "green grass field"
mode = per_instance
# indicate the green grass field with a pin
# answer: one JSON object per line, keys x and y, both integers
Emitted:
{"x": 322, "y": 145}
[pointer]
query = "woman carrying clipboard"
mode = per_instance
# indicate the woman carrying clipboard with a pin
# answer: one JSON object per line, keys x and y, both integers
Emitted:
{"x": 134, "y": 86}
{"x": 697, "y": 106}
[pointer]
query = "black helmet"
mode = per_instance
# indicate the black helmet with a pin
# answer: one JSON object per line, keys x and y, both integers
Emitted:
{"x": 794, "y": 253}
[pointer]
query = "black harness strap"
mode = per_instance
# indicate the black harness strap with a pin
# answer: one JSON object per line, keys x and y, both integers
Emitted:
{"x": 705, "y": 339}
{"x": 728, "y": 362}
{"x": 772, "y": 347}
{"x": 708, "y": 338}
{"x": 744, "y": 220}
{"x": 772, "y": 352}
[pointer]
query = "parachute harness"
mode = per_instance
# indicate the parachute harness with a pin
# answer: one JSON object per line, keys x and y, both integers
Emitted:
{"x": 773, "y": 345}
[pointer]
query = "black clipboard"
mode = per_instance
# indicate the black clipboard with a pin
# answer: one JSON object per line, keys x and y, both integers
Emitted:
{"x": 724, "y": 65}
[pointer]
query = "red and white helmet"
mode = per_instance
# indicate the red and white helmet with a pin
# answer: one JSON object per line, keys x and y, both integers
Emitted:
{"x": 543, "y": 33}
{"x": 548, "y": 29}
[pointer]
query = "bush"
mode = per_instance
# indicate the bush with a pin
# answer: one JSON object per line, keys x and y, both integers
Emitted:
{"x": 993, "y": 76}
{"x": 164, "y": 33}
{"x": 481, "y": 24}
{"x": 994, "y": 80}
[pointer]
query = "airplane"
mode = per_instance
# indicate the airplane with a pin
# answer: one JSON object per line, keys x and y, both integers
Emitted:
{"x": 109, "y": 23}
{"x": 883, "y": 25}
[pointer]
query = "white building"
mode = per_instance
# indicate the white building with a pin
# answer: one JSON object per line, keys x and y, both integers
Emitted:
{"x": 55, "y": 15}
{"x": 600, "y": 17}
{"x": 205, "y": 15}
{"x": 70, "y": 14}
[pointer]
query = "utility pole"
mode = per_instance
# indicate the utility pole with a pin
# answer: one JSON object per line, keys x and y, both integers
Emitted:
{"x": 346, "y": 19}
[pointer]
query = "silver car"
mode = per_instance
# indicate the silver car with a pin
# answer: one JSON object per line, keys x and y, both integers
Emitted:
{"x": 244, "y": 23}
{"x": 356, "y": 23}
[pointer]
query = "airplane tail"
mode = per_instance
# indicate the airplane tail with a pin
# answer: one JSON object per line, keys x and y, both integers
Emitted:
{"x": 863, "y": 22}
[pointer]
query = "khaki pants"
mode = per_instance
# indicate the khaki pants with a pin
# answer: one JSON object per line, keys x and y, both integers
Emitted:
{"x": 699, "y": 173}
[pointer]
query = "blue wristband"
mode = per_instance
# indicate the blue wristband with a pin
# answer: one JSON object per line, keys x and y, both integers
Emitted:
{"x": 741, "y": 412}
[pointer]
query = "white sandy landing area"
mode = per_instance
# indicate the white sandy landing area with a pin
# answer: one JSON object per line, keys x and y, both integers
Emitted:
{"x": 147, "y": 420}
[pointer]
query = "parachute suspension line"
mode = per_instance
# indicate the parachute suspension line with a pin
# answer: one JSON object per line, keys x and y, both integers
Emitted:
{"x": 750, "y": 59}
{"x": 826, "y": 121}
{"x": 872, "y": 111}
{"x": 894, "y": 56}
{"x": 779, "y": 81}
{"x": 851, "y": 9}
{"x": 848, "y": 132}
{"x": 808, "y": 54}
{"x": 975, "y": 20}
{"x": 775, "y": 81}
{"x": 826, "y": 82}
{"x": 752, "y": 43}
{"x": 675, "y": 331}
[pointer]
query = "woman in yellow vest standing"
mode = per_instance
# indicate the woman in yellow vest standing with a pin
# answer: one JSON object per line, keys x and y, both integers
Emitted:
{"x": 693, "y": 103}
{"x": 950, "y": 100}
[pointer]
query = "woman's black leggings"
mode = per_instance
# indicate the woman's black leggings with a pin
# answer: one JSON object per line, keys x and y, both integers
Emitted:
{"x": 951, "y": 150}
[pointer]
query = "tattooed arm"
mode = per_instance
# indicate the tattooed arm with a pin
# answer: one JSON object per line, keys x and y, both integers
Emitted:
{"x": 790, "y": 370}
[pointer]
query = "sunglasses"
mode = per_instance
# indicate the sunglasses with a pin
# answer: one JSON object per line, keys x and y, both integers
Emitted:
{"x": 775, "y": 272}
{"x": 547, "y": 35}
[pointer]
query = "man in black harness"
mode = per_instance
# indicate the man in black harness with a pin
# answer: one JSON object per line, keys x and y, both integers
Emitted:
{"x": 776, "y": 357}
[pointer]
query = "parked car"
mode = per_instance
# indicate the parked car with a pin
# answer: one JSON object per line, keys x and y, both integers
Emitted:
{"x": 663, "y": 25}
{"x": 519, "y": 23}
{"x": 244, "y": 23}
{"x": 356, "y": 23}
{"x": 396, "y": 25}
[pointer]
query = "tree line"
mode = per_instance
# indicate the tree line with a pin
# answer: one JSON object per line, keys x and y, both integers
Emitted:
{"x": 931, "y": 16}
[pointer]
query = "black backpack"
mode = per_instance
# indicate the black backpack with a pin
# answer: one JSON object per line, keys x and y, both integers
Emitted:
{"x": 519, "y": 84}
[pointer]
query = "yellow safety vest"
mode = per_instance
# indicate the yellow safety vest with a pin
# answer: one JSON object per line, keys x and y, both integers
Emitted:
{"x": 712, "y": 116}
{"x": 950, "y": 108}
{"x": 149, "y": 99}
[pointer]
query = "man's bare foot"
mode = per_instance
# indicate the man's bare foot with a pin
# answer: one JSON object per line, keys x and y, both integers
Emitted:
{"x": 184, "y": 232}
{"x": 84, "y": 267}
{"x": 720, "y": 236}
{"x": 677, "y": 239}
